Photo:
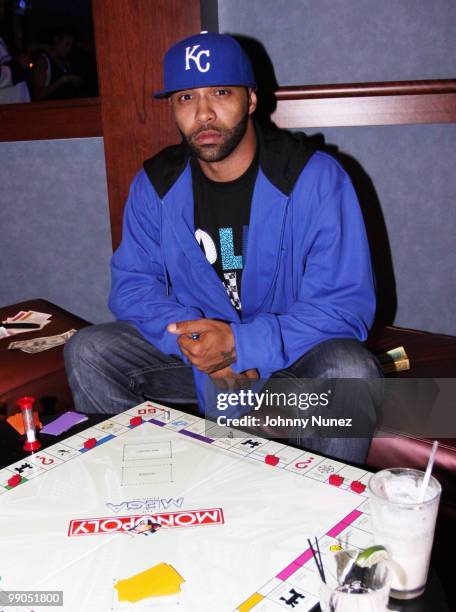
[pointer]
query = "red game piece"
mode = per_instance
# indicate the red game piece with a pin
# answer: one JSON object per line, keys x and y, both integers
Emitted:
{"x": 271, "y": 460}
{"x": 357, "y": 486}
{"x": 336, "y": 480}
{"x": 90, "y": 443}
{"x": 134, "y": 421}
{"x": 14, "y": 480}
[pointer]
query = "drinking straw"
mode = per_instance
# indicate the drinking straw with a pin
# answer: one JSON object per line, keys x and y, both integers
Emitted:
{"x": 317, "y": 559}
{"x": 427, "y": 474}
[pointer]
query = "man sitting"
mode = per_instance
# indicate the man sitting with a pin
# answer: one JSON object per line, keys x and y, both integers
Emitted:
{"x": 243, "y": 256}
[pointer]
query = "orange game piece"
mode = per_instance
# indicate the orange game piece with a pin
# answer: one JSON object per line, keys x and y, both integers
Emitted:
{"x": 16, "y": 421}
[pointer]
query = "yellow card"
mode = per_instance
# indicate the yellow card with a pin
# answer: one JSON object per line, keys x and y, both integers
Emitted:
{"x": 162, "y": 579}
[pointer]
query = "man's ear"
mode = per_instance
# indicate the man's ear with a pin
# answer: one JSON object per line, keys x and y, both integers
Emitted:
{"x": 252, "y": 100}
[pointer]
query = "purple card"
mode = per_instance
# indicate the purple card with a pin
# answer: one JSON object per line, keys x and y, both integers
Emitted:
{"x": 63, "y": 423}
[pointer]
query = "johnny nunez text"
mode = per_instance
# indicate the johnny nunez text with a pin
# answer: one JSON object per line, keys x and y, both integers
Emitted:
{"x": 313, "y": 421}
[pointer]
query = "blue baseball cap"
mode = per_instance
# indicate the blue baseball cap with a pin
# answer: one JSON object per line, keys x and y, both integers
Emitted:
{"x": 205, "y": 60}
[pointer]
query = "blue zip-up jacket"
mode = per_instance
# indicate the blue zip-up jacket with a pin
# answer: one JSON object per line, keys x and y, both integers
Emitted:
{"x": 307, "y": 276}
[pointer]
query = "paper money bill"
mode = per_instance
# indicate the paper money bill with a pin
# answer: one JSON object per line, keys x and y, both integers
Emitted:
{"x": 41, "y": 344}
{"x": 396, "y": 366}
{"x": 395, "y": 354}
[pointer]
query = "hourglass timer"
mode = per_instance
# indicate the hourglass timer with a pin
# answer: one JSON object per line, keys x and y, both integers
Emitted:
{"x": 26, "y": 405}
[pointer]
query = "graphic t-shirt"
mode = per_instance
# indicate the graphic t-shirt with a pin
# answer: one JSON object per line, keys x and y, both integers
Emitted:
{"x": 222, "y": 215}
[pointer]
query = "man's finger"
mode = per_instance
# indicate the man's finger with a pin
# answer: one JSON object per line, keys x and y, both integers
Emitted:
{"x": 187, "y": 327}
{"x": 186, "y": 342}
{"x": 252, "y": 374}
{"x": 188, "y": 347}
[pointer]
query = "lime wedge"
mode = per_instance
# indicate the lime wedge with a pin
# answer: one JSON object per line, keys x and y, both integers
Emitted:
{"x": 371, "y": 556}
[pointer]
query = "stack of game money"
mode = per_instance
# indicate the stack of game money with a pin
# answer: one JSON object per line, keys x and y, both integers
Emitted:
{"x": 37, "y": 345}
{"x": 394, "y": 360}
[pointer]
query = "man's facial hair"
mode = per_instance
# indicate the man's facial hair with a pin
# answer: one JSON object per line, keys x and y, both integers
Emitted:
{"x": 218, "y": 152}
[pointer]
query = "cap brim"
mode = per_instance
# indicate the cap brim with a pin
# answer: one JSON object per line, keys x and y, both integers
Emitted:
{"x": 165, "y": 93}
{"x": 162, "y": 94}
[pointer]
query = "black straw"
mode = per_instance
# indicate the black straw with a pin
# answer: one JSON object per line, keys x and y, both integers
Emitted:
{"x": 317, "y": 559}
{"x": 321, "y": 562}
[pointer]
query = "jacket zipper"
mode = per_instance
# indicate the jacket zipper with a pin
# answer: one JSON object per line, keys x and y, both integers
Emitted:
{"x": 276, "y": 271}
{"x": 165, "y": 271}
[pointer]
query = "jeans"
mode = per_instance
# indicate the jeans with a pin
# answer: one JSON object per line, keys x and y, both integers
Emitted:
{"x": 111, "y": 368}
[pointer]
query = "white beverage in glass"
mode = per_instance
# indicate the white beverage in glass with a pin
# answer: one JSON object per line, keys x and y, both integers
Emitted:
{"x": 405, "y": 525}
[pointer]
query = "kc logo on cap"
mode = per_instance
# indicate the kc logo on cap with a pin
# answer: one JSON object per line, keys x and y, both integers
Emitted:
{"x": 208, "y": 59}
{"x": 190, "y": 54}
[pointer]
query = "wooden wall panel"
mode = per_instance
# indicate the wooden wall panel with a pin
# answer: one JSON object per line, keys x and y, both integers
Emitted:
{"x": 374, "y": 110}
{"x": 402, "y": 103}
{"x": 78, "y": 118}
{"x": 131, "y": 37}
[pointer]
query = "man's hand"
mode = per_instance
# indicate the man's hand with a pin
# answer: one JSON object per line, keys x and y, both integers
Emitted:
{"x": 208, "y": 344}
{"x": 227, "y": 380}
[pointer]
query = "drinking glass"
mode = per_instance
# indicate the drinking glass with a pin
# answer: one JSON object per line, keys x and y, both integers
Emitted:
{"x": 354, "y": 589}
{"x": 404, "y": 525}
